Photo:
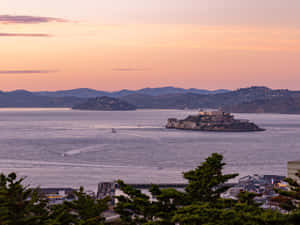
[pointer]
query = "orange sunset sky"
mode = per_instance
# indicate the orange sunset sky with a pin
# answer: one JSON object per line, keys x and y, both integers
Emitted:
{"x": 117, "y": 44}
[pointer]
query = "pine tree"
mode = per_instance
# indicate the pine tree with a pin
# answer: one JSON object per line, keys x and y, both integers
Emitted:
{"x": 87, "y": 210}
{"x": 19, "y": 204}
{"x": 206, "y": 183}
{"x": 135, "y": 207}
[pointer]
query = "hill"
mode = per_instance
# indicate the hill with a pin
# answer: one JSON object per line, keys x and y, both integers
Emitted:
{"x": 22, "y": 98}
{"x": 79, "y": 93}
{"x": 284, "y": 105}
{"x": 168, "y": 101}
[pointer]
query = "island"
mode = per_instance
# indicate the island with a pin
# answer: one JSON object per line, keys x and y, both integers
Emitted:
{"x": 213, "y": 121}
{"x": 105, "y": 104}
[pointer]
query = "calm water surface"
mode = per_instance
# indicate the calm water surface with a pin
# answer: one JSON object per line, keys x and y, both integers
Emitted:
{"x": 61, "y": 147}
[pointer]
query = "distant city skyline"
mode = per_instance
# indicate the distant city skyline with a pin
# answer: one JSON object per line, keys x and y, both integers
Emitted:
{"x": 133, "y": 44}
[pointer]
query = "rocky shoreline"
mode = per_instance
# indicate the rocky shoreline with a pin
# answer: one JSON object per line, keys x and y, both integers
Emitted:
{"x": 216, "y": 121}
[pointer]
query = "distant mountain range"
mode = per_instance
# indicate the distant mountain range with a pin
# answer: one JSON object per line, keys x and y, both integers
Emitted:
{"x": 91, "y": 93}
{"x": 22, "y": 98}
{"x": 253, "y": 99}
{"x": 219, "y": 100}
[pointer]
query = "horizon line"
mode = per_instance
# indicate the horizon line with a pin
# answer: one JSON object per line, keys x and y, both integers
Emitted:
{"x": 138, "y": 89}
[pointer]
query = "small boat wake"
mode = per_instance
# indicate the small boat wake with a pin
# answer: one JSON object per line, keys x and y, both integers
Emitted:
{"x": 94, "y": 148}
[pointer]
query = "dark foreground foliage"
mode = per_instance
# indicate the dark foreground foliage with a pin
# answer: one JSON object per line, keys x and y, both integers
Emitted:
{"x": 199, "y": 204}
{"x": 21, "y": 205}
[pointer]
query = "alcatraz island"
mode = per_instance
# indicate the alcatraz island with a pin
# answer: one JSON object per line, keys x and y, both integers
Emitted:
{"x": 213, "y": 121}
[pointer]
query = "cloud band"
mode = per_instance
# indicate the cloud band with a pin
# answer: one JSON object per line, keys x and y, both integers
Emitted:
{"x": 10, "y": 19}
{"x": 26, "y": 71}
{"x": 24, "y": 35}
{"x": 129, "y": 69}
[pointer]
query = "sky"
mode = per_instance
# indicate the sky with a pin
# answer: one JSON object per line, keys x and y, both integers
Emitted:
{"x": 132, "y": 44}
